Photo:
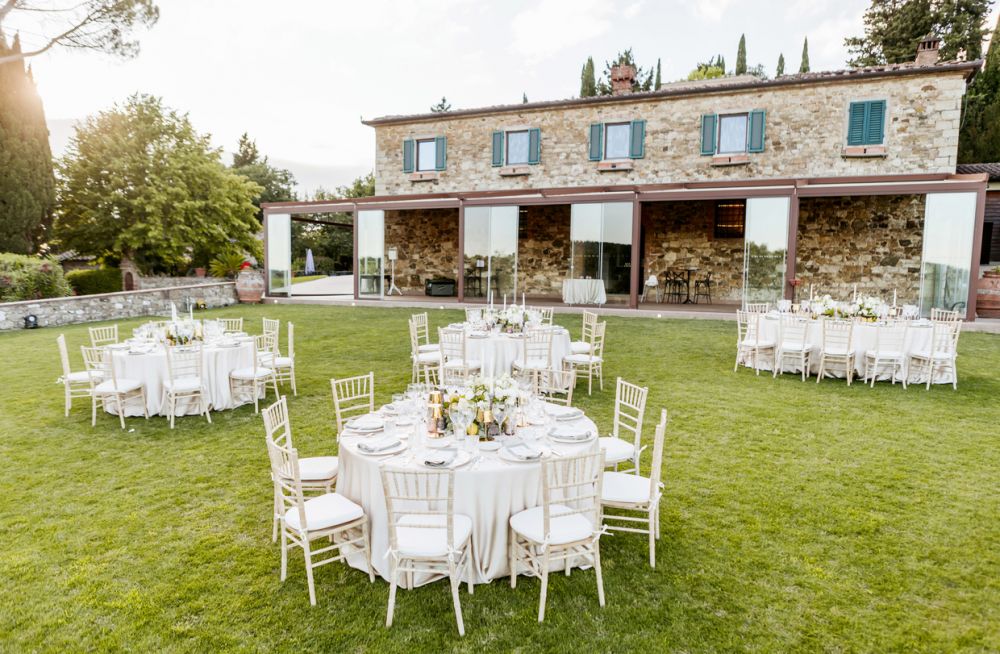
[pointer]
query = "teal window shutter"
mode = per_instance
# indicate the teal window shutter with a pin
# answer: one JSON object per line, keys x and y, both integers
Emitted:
{"x": 637, "y": 140}
{"x": 596, "y": 142}
{"x": 497, "y": 148}
{"x": 856, "y": 118}
{"x": 408, "y": 156}
{"x": 875, "y": 125}
{"x": 440, "y": 152}
{"x": 708, "y": 123}
{"x": 534, "y": 145}
{"x": 755, "y": 141}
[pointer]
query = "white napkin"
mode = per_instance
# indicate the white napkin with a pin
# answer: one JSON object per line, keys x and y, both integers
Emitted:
{"x": 560, "y": 412}
{"x": 366, "y": 423}
{"x": 569, "y": 433}
{"x": 441, "y": 458}
{"x": 524, "y": 451}
{"x": 380, "y": 445}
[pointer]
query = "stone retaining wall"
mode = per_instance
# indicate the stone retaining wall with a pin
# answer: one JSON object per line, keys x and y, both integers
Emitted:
{"x": 146, "y": 283}
{"x": 110, "y": 306}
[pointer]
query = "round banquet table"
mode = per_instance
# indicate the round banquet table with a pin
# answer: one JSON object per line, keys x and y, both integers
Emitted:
{"x": 918, "y": 339}
{"x": 497, "y": 352}
{"x": 489, "y": 490}
{"x": 151, "y": 369}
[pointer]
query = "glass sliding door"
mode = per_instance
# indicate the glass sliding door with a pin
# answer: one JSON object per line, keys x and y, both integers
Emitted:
{"x": 601, "y": 244}
{"x": 490, "y": 252}
{"x": 765, "y": 249}
{"x": 279, "y": 254}
{"x": 949, "y": 229}
{"x": 371, "y": 253}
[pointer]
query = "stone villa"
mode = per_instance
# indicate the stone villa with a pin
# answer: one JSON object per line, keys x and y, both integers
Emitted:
{"x": 724, "y": 190}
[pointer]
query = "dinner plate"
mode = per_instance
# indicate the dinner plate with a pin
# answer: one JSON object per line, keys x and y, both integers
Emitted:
{"x": 506, "y": 455}
{"x": 555, "y": 436}
{"x": 489, "y": 446}
{"x": 392, "y": 450}
{"x": 439, "y": 443}
{"x": 461, "y": 458}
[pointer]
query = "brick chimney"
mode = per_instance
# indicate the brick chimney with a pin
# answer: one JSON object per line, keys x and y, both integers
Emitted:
{"x": 622, "y": 79}
{"x": 928, "y": 50}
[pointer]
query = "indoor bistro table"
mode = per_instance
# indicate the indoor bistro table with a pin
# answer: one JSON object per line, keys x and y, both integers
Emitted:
{"x": 148, "y": 364}
{"x": 919, "y": 334}
{"x": 498, "y": 351}
{"x": 489, "y": 488}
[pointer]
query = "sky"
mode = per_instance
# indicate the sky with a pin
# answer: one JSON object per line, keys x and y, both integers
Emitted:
{"x": 299, "y": 75}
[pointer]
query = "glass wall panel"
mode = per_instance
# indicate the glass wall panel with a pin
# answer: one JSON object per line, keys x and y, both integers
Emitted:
{"x": 949, "y": 229}
{"x": 765, "y": 249}
{"x": 490, "y": 252}
{"x": 279, "y": 253}
{"x": 601, "y": 237}
{"x": 371, "y": 252}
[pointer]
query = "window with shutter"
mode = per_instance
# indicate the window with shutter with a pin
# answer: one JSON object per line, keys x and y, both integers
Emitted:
{"x": 708, "y": 122}
{"x": 534, "y": 145}
{"x": 498, "y": 148}
{"x": 426, "y": 155}
{"x": 596, "y": 149}
{"x": 755, "y": 141}
{"x": 875, "y": 129}
{"x": 440, "y": 153}
{"x": 408, "y": 156}
{"x": 517, "y": 147}
{"x": 637, "y": 142}
{"x": 866, "y": 123}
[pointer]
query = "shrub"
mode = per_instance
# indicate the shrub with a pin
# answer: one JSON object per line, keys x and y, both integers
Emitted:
{"x": 30, "y": 278}
{"x": 92, "y": 282}
{"x": 226, "y": 265}
{"x": 323, "y": 265}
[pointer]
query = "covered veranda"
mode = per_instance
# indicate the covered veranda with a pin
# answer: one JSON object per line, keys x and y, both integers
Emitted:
{"x": 705, "y": 246}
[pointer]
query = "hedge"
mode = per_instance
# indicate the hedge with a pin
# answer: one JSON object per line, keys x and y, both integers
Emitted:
{"x": 91, "y": 282}
{"x": 25, "y": 277}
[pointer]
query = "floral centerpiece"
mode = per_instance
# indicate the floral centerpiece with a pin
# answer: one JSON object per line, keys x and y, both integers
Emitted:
{"x": 825, "y": 306}
{"x": 868, "y": 308}
{"x": 511, "y": 320}
{"x": 489, "y": 400}
{"x": 183, "y": 332}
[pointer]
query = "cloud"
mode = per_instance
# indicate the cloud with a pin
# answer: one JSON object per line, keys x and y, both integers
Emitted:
{"x": 554, "y": 25}
{"x": 711, "y": 10}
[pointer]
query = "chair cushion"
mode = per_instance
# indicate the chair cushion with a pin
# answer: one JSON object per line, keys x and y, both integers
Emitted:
{"x": 581, "y": 359}
{"x": 753, "y": 342}
{"x": 566, "y": 529}
{"x": 430, "y": 347}
{"x": 430, "y": 542}
{"x": 532, "y": 364}
{"x": 615, "y": 449}
{"x": 283, "y": 362}
{"x": 624, "y": 488}
{"x": 795, "y": 346}
{"x": 125, "y": 385}
{"x": 471, "y": 364}
{"x": 325, "y": 511}
{"x": 946, "y": 356}
{"x": 884, "y": 354}
{"x": 579, "y": 347}
{"x": 318, "y": 468}
{"x": 84, "y": 376}
{"x": 428, "y": 357}
{"x": 836, "y": 352}
{"x": 248, "y": 373}
{"x": 183, "y": 385}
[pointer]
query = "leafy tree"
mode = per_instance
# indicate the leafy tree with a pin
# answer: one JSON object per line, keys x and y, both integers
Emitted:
{"x": 780, "y": 70}
{"x": 979, "y": 138}
{"x": 277, "y": 184}
{"x": 893, "y": 28}
{"x": 741, "y": 56}
{"x": 623, "y": 58}
{"x": 139, "y": 182}
{"x": 961, "y": 25}
{"x": 804, "y": 66}
{"x": 442, "y": 106}
{"x": 27, "y": 183}
{"x": 102, "y": 25}
{"x": 711, "y": 69}
{"x": 757, "y": 71}
{"x": 246, "y": 152}
{"x": 588, "y": 83}
{"x": 658, "y": 81}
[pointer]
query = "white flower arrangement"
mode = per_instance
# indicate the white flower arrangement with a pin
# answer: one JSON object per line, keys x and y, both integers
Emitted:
{"x": 183, "y": 332}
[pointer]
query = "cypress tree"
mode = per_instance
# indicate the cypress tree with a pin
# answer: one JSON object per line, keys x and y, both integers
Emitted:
{"x": 524, "y": 98}
{"x": 804, "y": 66}
{"x": 27, "y": 182}
{"x": 741, "y": 56}
{"x": 781, "y": 66}
{"x": 721, "y": 63}
{"x": 588, "y": 80}
{"x": 979, "y": 138}
{"x": 656, "y": 84}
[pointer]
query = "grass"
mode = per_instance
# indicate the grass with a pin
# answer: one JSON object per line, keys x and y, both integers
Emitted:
{"x": 797, "y": 517}
{"x": 307, "y": 278}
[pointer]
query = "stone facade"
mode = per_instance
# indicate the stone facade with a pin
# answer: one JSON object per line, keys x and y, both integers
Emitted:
{"x": 147, "y": 283}
{"x": 875, "y": 242}
{"x": 544, "y": 250}
{"x": 805, "y": 136}
{"x": 680, "y": 235}
{"x": 426, "y": 242}
{"x": 110, "y": 306}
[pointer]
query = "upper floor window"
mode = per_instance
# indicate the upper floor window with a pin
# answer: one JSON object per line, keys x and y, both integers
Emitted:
{"x": 625, "y": 140}
{"x": 732, "y": 133}
{"x": 517, "y": 147}
{"x": 425, "y": 154}
{"x": 866, "y": 123}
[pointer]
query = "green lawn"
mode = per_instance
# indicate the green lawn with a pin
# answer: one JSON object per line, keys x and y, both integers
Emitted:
{"x": 797, "y": 517}
{"x": 307, "y": 278}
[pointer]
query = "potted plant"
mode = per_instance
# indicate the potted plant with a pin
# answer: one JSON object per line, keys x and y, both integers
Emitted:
{"x": 249, "y": 284}
{"x": 988, "y": 294}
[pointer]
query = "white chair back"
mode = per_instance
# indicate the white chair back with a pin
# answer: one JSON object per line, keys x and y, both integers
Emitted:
{"x": 291, "y": 341}
{"x": 287, "y": 480}
{"x": 589, "y": 320}
{"x": 838, "y": 337}
{"x": 891, "y": 337}
{"x": 945, "y": 339}
{"x": 232, "y": 325}
{"x": 100, "y": 336}
{"x": 573, "y": 482}
{"x": 352, "y": 396}
{"x": 554, "y": 385}
{"x": 266, "y": 344}
{"x": 271, "y": 326}
{"x": 943, "y": 315}
{"x": 597, "y": 339}
{"x": 63, "y": 355}
{"x": 758, "y": 307}
{"x": 97, "y": 360}
{"x": 276, "y": 423}
{"x": 794, "y": 330}
{"x": 423, "y": 330}
{"x": 184, "y": 362}
{"x": 537, "y": 351}
{"x": 426, "y": 498}
{"x": 473, "y": 314}
{"x": 414, "y": 338}
{"x": 656, "y": 470}
{"x": 630, "y": 407}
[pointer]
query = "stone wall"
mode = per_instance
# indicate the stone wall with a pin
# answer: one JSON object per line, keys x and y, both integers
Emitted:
{"x": 426, "y": 242}
{"x": 544, "y": 250}
{"x": 680, "y": 235}
{"x": 805, "y": 136}
{"x": 875, "y": 242}
{"x": 111, "y": 306}
{"x": 145, "y": 283}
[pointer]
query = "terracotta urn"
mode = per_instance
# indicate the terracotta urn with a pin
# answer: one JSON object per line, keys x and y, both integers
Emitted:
{"x": 988, "y": 295}
{"x": 249, "y": 286}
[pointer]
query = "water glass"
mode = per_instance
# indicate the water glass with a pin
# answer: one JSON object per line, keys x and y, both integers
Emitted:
{"x": 389, "y": 426}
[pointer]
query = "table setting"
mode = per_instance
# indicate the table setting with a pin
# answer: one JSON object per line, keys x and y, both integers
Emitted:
{"x": 496, "y": 337}
{"x": 493, "y": 432}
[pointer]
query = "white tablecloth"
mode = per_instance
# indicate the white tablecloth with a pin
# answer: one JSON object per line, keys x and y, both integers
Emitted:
{"x": 498, "y": 352}
{"x": 489, "y": 491}
{"x": 918, "y": 339}
{"x": 584, "y": 291}
{"x": 151, "y": 370}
